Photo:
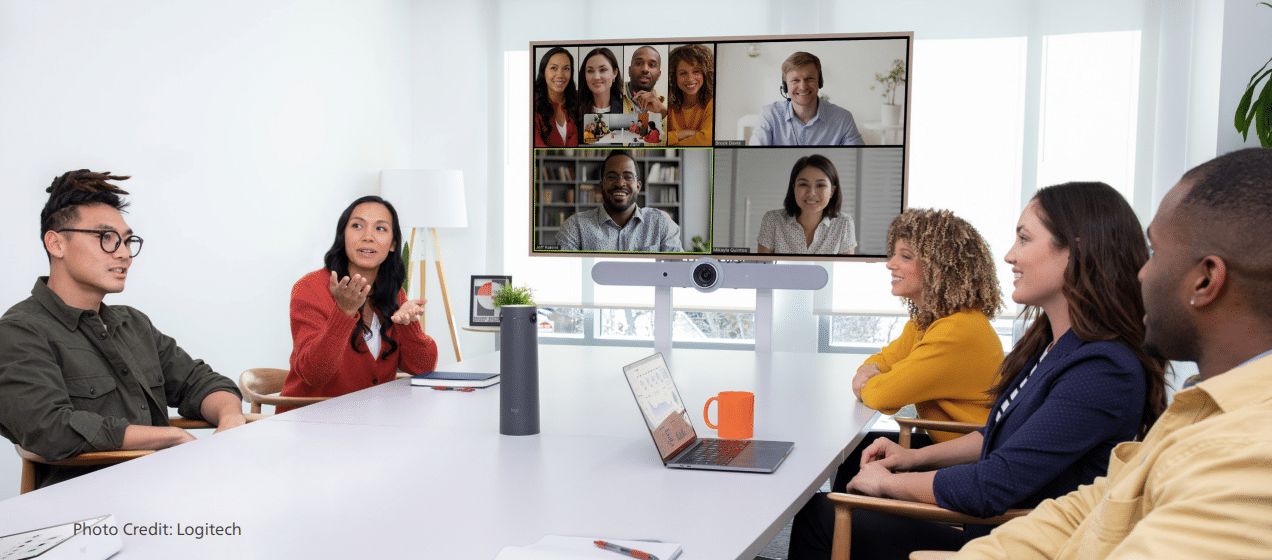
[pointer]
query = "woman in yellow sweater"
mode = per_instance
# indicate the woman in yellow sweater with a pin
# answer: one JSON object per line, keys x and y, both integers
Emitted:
{"x": 691, "y": 113}
{"x": 947, "y": 357}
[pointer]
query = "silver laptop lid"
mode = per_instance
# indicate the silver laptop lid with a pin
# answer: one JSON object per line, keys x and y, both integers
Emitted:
{"x": 660, "y": 404}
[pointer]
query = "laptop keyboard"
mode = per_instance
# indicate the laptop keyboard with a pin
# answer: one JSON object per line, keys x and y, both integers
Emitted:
{"x": 715, "y": 452}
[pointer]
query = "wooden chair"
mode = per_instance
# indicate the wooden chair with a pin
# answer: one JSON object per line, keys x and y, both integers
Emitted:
{"x": 845, "y": 503}
{"x": 908, "y": 425}
{"x": 93, "y": 458}
{"x": 260, "y": 386}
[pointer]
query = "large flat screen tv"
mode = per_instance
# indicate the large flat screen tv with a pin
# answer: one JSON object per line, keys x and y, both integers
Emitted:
{"x": 738, "y": 148}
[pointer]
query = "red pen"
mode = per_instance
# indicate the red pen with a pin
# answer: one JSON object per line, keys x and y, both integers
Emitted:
{"x": 626, "y": 551}
{"x": 464, "y": 389}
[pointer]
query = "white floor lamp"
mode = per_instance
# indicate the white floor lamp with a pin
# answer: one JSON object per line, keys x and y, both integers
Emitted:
{"x": 429, "y": 198}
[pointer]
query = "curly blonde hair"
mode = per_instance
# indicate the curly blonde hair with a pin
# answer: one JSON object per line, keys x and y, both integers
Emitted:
{"x": 955, "y": 263}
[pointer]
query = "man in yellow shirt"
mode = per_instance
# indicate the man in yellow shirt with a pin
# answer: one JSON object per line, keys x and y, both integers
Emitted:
{"x": 1200, "y": 484}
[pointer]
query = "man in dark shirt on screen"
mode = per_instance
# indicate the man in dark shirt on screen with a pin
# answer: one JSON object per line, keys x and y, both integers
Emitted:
{"x": 77, "y": 375}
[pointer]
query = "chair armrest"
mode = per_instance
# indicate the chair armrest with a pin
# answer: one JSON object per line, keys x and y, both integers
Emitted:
{"x": 908, "y": 425}
{"x": 295, "y": 402}
{"x": 931, "y": 555}
{"x": 188, "y": 424}
{"x": 85, "y": 459}
{"x": 918, "y": 510}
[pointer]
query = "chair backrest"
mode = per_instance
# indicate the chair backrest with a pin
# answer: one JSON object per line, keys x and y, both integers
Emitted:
{"x": 261, "y": 386}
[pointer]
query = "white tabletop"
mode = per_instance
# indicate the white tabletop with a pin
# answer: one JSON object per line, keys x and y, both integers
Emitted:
{"x": 620, "y": 136}
{"x": 400, "y": 471}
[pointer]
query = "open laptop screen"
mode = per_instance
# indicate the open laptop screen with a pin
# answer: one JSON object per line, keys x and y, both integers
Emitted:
{"x": 660, "y": 403}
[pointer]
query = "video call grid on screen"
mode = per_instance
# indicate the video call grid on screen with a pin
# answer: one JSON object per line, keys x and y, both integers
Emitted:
{"x": 714, "y": 188}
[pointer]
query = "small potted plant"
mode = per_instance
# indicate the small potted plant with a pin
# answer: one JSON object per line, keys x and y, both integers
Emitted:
{"x": 891, "y": 82}
{"x": 518, "y": 361}
{"x": 1257, "y": 110}
{"x": 512, "y": 295}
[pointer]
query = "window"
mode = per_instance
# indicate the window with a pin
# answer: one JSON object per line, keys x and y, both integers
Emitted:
{"x": 1090, "y": 96}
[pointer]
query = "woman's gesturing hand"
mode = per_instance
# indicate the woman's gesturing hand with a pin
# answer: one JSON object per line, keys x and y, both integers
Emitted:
{"x": 410, "y": 310}
{"x": 350, "y": 293}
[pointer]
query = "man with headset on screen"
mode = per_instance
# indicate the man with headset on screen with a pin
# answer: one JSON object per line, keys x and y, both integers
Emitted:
{"x": 802, "y": 119}
{"x": 620, "y": 225}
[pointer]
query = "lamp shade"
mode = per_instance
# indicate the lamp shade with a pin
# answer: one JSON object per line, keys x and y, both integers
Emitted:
{"x": 426, "y": 197}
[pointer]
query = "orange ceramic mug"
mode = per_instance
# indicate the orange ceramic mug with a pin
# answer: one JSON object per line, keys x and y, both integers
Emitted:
{"x": 736, "y": 412}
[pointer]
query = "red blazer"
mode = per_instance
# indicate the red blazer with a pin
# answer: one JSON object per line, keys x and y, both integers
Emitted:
{"x": 555, "y": 141}
{"x": 324, "y": 364}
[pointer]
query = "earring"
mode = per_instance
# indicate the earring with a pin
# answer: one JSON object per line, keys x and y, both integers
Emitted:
{"x": 1193, "y": 302}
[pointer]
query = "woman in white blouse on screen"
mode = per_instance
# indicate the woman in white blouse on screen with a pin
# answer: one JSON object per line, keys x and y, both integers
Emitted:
{"x": 810, "y": 222}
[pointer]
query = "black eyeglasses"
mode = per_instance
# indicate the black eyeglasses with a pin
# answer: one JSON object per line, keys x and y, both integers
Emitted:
{"x": 612, "y": 177}
{"x": 111, "y": 240}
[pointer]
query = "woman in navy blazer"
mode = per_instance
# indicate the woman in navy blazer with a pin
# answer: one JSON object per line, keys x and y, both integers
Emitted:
{"x": 1062, "y": 401}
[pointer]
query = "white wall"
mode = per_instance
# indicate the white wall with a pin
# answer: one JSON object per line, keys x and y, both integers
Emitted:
{"x": 247, "y": 127}
{"x": 451, "y": 127}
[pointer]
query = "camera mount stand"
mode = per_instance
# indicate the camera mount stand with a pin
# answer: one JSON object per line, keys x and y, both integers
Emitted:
{"x": 707, "y": 275}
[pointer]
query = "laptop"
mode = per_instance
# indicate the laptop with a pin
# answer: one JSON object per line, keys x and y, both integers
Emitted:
{"x": 678, "y": 444}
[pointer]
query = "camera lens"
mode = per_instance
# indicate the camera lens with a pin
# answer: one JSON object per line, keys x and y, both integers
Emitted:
{"x": 704, "y": 275}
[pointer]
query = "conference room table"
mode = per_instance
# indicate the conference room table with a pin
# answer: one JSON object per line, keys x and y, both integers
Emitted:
{"x": 398, "y": 471}
{"x": 619, "y": 136}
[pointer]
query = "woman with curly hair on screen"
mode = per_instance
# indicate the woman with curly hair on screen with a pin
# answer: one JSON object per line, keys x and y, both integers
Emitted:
{"x": 691, "y": 106}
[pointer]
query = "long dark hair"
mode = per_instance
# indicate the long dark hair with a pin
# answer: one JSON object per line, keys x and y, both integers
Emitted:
{"x": 826, "y": 166}
{"x": 616, "y": 87}
{"x": 1101, "y": 285}
{"x": 388, "y": 278}
{"x": 543, "y": 107}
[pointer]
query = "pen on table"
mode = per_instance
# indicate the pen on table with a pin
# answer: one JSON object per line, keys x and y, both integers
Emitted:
{"x": 464, "y": 389}
{"x": 624, "y": 550}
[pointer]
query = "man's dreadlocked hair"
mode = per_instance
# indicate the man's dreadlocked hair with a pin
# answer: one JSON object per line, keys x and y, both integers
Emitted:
{"x": 78, "y": 188}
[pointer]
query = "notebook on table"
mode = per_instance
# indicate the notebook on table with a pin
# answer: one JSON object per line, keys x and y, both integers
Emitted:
{"x": 454, "y": 379}
{"x": 678, "y": 444}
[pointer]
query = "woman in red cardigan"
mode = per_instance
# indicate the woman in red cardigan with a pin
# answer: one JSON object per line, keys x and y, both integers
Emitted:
{"x": 352, "y": 326}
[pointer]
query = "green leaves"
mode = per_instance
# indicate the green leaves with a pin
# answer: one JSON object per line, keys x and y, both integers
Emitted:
{"x": 1257, "y": 110}
{"x": 406, "y": 261}
{"x": 512, "y": 295}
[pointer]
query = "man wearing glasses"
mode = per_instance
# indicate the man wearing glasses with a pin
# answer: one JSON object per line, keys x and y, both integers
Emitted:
{"x": 77, "y": 375}
{"x": 620, "y": 225}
